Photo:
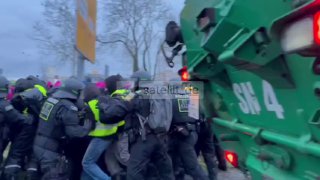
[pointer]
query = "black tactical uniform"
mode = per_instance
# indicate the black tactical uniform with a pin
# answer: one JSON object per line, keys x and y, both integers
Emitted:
{"x": 28, "y": 100}
{"x": 206, "y": 146}
{"x": 10, "y": 117}
{"x": 152, "y": 149}
{"x": 183, "y": 137}
{"x": 209, "y": 145}
{"x": 58, "y": 122}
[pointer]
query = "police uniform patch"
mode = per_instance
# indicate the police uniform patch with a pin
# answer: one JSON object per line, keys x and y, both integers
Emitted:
{"x": 46, "y": 110}
{"x": 183, "y": 105}
{"x": 8, "y": 108}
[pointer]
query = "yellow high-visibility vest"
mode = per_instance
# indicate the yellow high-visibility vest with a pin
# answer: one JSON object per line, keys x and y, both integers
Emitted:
{"x": 101, "y": 130}
{"x": 120, "y": 92}
{"x": 42, "y": 89}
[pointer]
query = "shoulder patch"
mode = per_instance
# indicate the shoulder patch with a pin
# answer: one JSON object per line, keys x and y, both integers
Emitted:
{"x": 46, "y": 110}
{"x": 8, "y": 108}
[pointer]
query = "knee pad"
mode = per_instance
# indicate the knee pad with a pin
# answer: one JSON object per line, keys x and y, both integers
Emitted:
{"x": 12, "y": 169}
{"x": 32, "y": 174}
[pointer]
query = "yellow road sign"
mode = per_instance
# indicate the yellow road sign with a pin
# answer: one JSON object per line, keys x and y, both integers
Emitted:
{"x": 86, "y": 28}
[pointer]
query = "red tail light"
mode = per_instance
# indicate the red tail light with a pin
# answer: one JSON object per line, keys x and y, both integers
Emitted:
{"x": 183, "y": 72}
{"x": 232, "y": 158}
{"x": 185, "y": 76}
{"x": 316, "y": 28}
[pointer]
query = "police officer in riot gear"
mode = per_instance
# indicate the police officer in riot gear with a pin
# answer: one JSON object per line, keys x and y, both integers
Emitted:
{"x": 13, "y": 164}
{"x": 23, "y": 84}
{"x": 10, "y": 117}
{"x": 58, "y": 122}
{"x": 206, "y": 146}
{"x": 147, "y": 149}
{"x": 4, "y": 83}
{"x": 29, "y": 100}
{"x": 209, "y": 145}
{"x": 183, "y": 135}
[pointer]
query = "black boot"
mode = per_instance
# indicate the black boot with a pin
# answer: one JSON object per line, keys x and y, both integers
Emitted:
{"x": 211, "y": 165}
{"x": 32, "y": 175}
{"x": 11, "y": 173}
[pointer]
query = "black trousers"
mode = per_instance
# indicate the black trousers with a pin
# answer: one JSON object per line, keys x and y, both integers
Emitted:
{"x": 56, "y": 169}
{"x": 21, "y": 147}
{"x": 75, "y": 151}
{"x": 206, "y": 146}
{"x": 21, "y": 144}
{"x": 142, "y": 153}
{"x": 3, "y": 145}
{"x": 181, "y": 149}
{"x": 54, "y": 172}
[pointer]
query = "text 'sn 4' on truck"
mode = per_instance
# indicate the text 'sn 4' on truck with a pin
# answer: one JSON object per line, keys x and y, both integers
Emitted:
{"x": 259, "y": 61}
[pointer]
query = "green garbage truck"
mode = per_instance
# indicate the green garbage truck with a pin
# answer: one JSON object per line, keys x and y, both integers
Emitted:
{"x": 259, "y": 62}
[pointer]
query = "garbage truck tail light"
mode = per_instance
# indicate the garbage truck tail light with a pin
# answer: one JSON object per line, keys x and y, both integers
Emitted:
{"x": 232, "y": 158}
{"x": 316, "y": 28}
{"x": 185, "y": 76}
{"x": 183, "y": 72}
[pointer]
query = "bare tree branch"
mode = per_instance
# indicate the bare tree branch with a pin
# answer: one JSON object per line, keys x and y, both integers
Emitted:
{"x": 56, "y": 34}
{"x": 131, "y": 24}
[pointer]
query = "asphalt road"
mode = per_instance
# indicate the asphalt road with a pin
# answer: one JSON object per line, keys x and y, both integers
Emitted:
{"x": 231, "y": 174}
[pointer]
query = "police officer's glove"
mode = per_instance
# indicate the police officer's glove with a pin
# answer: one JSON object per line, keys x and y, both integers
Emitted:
{"x": 82, "y": 114}
{"x": 18, "y": 103}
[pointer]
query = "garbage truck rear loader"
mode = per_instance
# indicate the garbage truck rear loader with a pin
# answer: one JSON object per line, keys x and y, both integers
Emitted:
{"x": 259, "y": 61}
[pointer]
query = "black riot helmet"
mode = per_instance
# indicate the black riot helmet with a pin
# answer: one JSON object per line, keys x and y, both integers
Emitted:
{"x": 4, "y": 87}
{"x": 70, "y": 89}
{"x": 22, "y": 85}
{"x": 32, "y": 78}
{"x": 35, "y": 81}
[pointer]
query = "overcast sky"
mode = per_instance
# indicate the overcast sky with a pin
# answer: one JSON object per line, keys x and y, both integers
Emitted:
{"x": 19, "y": 54}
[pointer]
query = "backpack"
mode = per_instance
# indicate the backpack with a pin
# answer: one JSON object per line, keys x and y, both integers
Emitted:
{"x": 112, "y": 109}
{"x": 160, "y": 116}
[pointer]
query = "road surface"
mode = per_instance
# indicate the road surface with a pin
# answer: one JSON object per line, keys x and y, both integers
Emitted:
{"x": 231, "y": 174}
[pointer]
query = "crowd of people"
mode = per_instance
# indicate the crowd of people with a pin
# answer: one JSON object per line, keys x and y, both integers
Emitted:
{"x": 110, "y": 130}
